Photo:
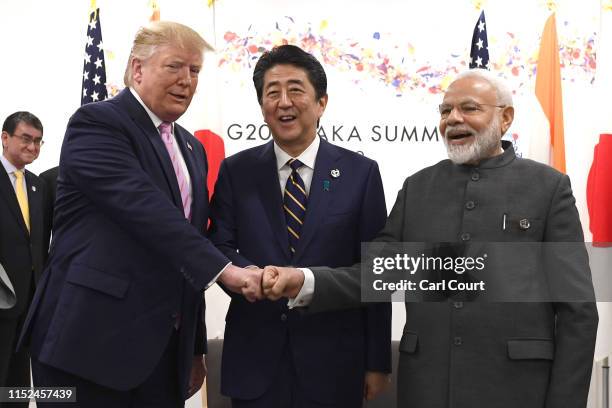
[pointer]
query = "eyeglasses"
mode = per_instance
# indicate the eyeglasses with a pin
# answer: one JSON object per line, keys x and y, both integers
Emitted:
{"x": 27, "y": 140}
{"x": 465, "y": 109}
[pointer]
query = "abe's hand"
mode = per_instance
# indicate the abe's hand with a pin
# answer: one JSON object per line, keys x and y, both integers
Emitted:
{"x": 278, "y": 282}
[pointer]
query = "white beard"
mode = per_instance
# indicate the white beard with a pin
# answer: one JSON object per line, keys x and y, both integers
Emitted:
{"x": 484, "y": 144}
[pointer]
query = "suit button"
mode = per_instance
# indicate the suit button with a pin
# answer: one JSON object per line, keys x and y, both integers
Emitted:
{"x": 458, "y": 341}
{"x": 457, "y": 305}
{"x": 475, "y": 176}
{"x": 466, "y": 236}
{"x": 470, "y": 205}
{"x": 283, "y": 317}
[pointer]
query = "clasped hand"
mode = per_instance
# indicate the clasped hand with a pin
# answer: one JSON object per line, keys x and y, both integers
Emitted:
{"x": 245, "y": 281}
{"x": 272, "y": 282}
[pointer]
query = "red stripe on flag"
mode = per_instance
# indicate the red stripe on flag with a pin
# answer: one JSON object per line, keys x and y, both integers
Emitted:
{"x": 215, "y": 153}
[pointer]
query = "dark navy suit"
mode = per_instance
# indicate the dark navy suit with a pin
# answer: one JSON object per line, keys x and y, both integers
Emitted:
{"x": 330, "y": 352}
{"x": 125, "y": 265}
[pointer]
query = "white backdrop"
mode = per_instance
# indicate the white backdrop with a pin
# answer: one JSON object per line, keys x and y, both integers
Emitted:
{"x": 387, "y": 64}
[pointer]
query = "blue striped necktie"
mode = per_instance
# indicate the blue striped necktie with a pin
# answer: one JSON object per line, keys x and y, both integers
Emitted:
{"x": 294, "y": 204}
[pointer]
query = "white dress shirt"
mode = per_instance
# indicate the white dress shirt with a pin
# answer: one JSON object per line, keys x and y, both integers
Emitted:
{"x": 10, "y": 170}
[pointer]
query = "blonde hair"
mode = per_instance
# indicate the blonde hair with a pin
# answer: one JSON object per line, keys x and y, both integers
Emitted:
{"x": 160, "y": 33}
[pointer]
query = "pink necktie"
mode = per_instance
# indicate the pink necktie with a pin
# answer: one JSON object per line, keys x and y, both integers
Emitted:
{"x": 166, "y": 134}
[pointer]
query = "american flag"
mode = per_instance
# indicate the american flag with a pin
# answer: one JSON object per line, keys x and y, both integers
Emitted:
{"x": 479, "y": 53}
{"x": 94, "y": 69}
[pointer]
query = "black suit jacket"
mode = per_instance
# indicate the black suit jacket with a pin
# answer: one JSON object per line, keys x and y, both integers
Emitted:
{"x": 503, "y": 355}
{"x": 22, "y": 254}
{"x": 330, "y": 351}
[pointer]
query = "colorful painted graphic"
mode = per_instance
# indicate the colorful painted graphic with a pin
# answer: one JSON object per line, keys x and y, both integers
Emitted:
{"x": 397, "y": 64}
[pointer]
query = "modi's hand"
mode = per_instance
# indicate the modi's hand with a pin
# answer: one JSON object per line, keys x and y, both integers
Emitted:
{"x": 278, "y": 282}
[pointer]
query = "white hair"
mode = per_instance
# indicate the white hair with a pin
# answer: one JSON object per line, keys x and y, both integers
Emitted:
{"x": 504, "y": 94}
{"x": 485, "y": 143}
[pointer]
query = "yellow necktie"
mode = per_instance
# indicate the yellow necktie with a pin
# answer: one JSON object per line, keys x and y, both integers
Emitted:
{"x": 22, "y": 198}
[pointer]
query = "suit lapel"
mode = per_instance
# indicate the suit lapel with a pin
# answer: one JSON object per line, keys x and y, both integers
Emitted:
{"x": 142, "y": 119}
{"x": 318, "y": 198}
{"x": 270, "y": 194}
{"x": 8, "y": 194}
{"x": 34, "y": 204}
{"x": 198, "y": 192}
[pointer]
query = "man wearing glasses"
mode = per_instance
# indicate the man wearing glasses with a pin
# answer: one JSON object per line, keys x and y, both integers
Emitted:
{"x": 477, "y": 354}
{"x": 23, "y": 236}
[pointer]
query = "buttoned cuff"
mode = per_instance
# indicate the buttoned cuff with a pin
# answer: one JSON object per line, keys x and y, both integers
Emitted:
{"x": 212, "y": 282}
{"x": 304, "y": 297}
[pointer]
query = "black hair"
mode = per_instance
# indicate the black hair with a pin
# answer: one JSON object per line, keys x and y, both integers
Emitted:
{"x": 291, "y": 55}
{"x": 11, "y": 122}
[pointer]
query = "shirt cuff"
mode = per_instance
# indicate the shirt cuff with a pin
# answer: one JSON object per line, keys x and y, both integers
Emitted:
{"x": 212, "y": 282}
{"x": 304, "y": 297}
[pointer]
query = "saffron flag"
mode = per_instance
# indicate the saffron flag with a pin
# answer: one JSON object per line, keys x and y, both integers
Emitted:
{"x": 550, "y": 149}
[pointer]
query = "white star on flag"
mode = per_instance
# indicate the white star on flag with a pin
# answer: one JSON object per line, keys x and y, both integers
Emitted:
{"x": 479, "y": 47}
{"x": 94, "y": 73}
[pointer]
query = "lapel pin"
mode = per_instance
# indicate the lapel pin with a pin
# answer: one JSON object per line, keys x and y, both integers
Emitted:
{"x": 524, "y": 224}
{"x": 34, "y": 188}
{"x": 335, "y": 173}
{"x": 325, "y": 185}
{"x": 189, "y": 146}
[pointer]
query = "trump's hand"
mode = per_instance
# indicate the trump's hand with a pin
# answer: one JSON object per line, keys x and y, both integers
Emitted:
{"x": 243, "y": 281}
{"x": 375, "y": 383}
{"x": 198, "y": 373}
{"x": 278, "y": 282}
